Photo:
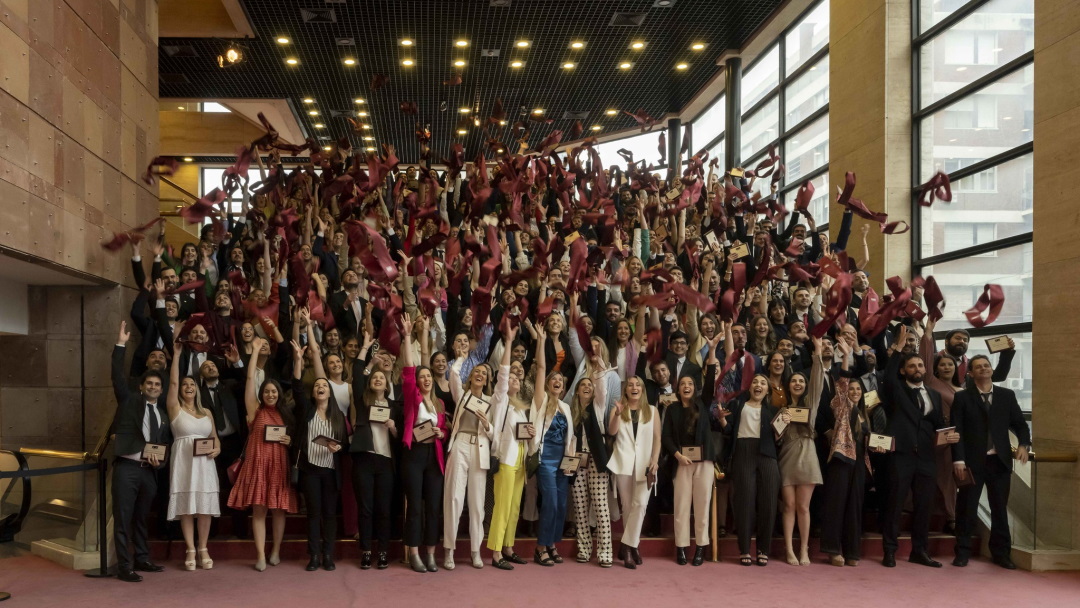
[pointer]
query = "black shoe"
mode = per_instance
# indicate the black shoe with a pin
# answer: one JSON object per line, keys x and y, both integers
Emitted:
{"x": 148, "y": 566}
{"x": 515, "y": 558}
{"x": 554, "y": 554}
{"x": 960, "y": 562}
{"x": 680, "y": 556}
{"x": 889, "y": 561}
{"x": 622, "y": 551}
{"x": 128, "y": 576}
{"x": 949, "y": 528}
{"x": 628, "y": 561}
{"x": 382, "y": 563}
{"x": 502, "y": 564}
{"x": 1005, "y": 562}
{"x": 541, "y": 558}
{"x": 699, "y": 556}
{"x": 635, "y": 555}
{"x": 365, "y": 560}
{"x": 328, "y": 563}
{"x": 313, "y": 564}
{"x": 924, "y": 560}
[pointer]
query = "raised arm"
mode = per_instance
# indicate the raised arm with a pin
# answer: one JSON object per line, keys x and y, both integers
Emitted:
{"x": 251, "y": 392}
{"x": 172, "y": 401}
{"x": 817, "y": 376}
{"x": 540, "y": 362}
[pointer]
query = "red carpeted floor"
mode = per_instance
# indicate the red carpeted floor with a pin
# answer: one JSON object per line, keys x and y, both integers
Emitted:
{"x": 659, "y": 583}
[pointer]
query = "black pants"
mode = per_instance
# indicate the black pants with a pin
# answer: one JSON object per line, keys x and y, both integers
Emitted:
{"x": 997, "y": 478}
{"x": 133, "y": 489}
{"x": 841, "y": 526}
{"x": 756, "y": 489}
{"x": 423, "y": 481}
{"x": 373, "y": 485}
{"x": 877, "y": 488}
{"x": 909, "y": 473}
{"x": 231, "y": 448}
{"x": 321, "y": 495}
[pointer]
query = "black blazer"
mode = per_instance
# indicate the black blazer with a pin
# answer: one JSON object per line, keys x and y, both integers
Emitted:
{"x": 767, "y": 446}
{"x": 913, "y": 431}
{"x": 675, "y": 421}
{"x": 130, "y": 410}
{"x": 344, "y": 317}
{"x": 304, "y": 414}
{"x": 594, "y": 437}
{"x": 224, "y": 406}
{"x": 689, "y": 368}
{"x": 361, "y": 440}
{"x": 971, "y": 418}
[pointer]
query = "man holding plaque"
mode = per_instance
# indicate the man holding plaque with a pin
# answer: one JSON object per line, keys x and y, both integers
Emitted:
{"x": 956, "y": 344}
{"x": 141, "y": 421}
{"x": 914, "y": 413}
{"x": 983, "y": 419}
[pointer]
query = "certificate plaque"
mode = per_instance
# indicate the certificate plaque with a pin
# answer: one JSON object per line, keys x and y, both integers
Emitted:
{"x": 742, "y": 250}
{"x": 693, "y": 452}
{"x": 871, "y": 398}
{"x": 569, "y": 464}
{"x": 883, "y": 442}
{"x": 154, "y": 449}
{"x": 713, "y": 242}
{"x": 800, "y": 415}
{"x": 940, "y": 440}
{"x": 203, "y": 447}
{"x": 476, "y": 405}
{"x": 779, "y": 425}
{"x": 583, "y": 460}
{"x": 325, "y": 441}
{"x": 378, "y": 414}
{"x": 668, "y": 399}
{"x": 423, "y": 431}
{"x": 274, "y": 434}
{"x": 963, "y": 479}
{"x": 998, "y": 344}
{"x": 521, "y": 431}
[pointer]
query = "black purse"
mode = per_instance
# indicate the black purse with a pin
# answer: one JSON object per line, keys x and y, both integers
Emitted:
{"x": 532, "y": 462}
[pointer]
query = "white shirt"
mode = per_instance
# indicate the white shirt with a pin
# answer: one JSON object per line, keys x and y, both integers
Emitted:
{"x": 380, "y": 436}
{"x": 678, "y": 365}
{"x": 197, "y": 359}
{"x": 147, "y": 412}
{"x": 928, "y": 406}
{"x": 229, "y": 428}
{"x": 750, "y": 423}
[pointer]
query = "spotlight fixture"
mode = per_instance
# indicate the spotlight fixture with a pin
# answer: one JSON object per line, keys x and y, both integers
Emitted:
{"x": 369, "y": 138}
{"x": 624, "y": 65}
{"x": 463, "y": 110}
{"x": 309, "y": 100}
{"x": 611, "y": 112}
{"x": 319, "y": 125}
{"x": 367, "y": 126}
{"x": 476, "y": 121}
{"x": 461, "y": 43}
{"x": 516, "y": 64}
{"x": 637, "y": 45}
{"x": 370, "y": 148}
{"x": 461, "y": 131}
{"x": 596, "y": 127}
{"x": 232, "y": 55}
{"x": 291, "y": 61}
{"x": 697, "y": 46}
{"x": 568, "y": 65}
{"x": 522, "y": 44}
{"x": 327, "y": 148}
{"x": 179, "y": 107}
{"x": 188, "y": 159}
{"x": 459, "y": 63}
{"x": 538, "y": 111}
{"x": 313, "y": 112}
{"x": 577, "y": 45}
{"x": 407, "y": 62}
{"x": 406, "y": 42}
{"x": 350, "y": 61}
{"x": 282, "y": 40}
{"x": 681, "y": 66}
{"x": 502, "y": 123}
{"x": 359, "y": 100}
{"x": 361, "y": 114}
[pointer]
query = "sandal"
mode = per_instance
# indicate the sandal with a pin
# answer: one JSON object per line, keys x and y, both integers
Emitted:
{"x": 745, "y": 560}
{"x": 762, "y": 559}
{"x": 554, "y": 555}
{"x": 205, "y": 561}
{"x": 542, "y": 558}
{"x": 189, "y": 564}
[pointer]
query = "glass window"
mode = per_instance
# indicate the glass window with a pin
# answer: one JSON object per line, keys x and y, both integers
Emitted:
{"x": 989, "y": 205}
{"x": 212, "y": 106}
{"x": 760, "y": 128}
{"x": 717, "y": 151}
{"x": 985, "y": 124}
{"x": 643, "y": 146}
{"x": 933, "y": 11}
{"x": 760, "y": 80}
{"x": 819, "y": 204}
{"x": 807, "y": 93}
{"x": 807, "y": 150}
{"x": 808, "y": 37}
{"x": 710, "y": 123}
{"x": 995, "y": 34}
{"x": 962, "y": 283}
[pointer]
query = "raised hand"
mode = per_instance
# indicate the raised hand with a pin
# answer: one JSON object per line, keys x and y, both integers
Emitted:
{"x": 124, "y": 334}
{"x": 406, "y": 324}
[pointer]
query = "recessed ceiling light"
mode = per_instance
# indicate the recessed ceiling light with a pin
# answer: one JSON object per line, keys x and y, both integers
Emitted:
{"x": 538, "y": 111}
{"x": 309, "y": 100}
{"x": 367, "y": 126}
{"x": 406, "y": 42}
{"x": 188, "y": 159}
{"x": 577, "y": 45}
{"x": 568, "y": 66}
{"x": 359, "y": 100}
{"x": 522, "y": 44}
{"x": 611, "y": 112}
{"x": 624, "y": 65}
{"x": 313, "y": 112}
{"x": 350, "y": 61}
{"x": 681, "y": 66}
{"x": 319, "y": 125}
{"x": 369, "y": 138}
{"x": 461, "y": 43}
{"x": 370, "y": 148}
{"x": 638, "y": 45}
{"x": 697, "y": 46}
{"x": 327, "y": 148}
{"x": 459, "y": 63}
{"x": 291, "y": 61}
{"x": 502, "y": 123}
{"x": 461, "y": 131}
{"x": 516, "y": 64}
{"x": 463, "y": 110}
{"x": 282, "y": 40}
{"x": 500, "y": 150}
{"x": 596, "y": 127}
{"x": 179, "y": 107}
{"x": 407, "y": 62}
{"x": 361, "y": 113}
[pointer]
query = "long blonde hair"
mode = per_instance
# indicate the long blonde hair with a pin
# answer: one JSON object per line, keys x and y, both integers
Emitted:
{"x": 551, "y": 404}
{"x": 643, "y": 403}
{"x": 578, "y": 410}
{"x": 198, "y": 395}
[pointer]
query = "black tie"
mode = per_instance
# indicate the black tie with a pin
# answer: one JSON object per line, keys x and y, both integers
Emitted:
{"x": 155, "y": 427}
{"x": 986, "y": 410}
{"x": 922, "y": 402}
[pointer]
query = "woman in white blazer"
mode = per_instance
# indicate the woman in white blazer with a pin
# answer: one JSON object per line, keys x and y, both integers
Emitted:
{"x": 509, "y": 411}
{"x": 555, "y": 439}
{"x": 468, "y": 461}
{"x": 636, "y": 427}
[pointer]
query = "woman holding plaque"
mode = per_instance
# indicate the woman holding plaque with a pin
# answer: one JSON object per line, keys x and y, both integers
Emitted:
{"x": 800, "y": 471}
{"x": 945, "y": 381}
{"x": 320, "y": 434}
{"x": 263, "y": 481}
{"x": 635, "y": 424}
{"x": 845, "y": 473}
{"x": 193, "y": 480}
{"x": 686, "y": 439}
{"x": 422, "y": 464}
{"x": 513, "y": 434}
{"x": 752, "y": 462}
{"x": 554, "y": 441}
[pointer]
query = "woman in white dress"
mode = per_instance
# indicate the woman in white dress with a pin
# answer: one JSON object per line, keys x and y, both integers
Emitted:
{"x": 193, "y": 481}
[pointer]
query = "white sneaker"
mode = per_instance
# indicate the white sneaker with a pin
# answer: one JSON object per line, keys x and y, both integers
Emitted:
{"x": 448, "y": 560}
{"x": 476, "y": 561}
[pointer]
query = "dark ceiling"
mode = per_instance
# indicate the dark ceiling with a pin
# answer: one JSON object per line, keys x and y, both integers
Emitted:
{"x": 374, "y": 29}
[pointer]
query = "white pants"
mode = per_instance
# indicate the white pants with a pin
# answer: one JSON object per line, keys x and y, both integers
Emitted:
{"x": 693, "y": 482}
{"x": 634, "y": 496}
{"x": 464, "y": 476}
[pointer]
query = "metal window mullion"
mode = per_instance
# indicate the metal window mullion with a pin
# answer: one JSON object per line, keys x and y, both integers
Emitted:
{"x": 992, "y": 330}
{"x": 949, "y": 21}
{"x": 989, "y": 163}
{"x": 966, "y": 252}
{"x": 816, "y": 173}
{"x": 975, "y": 86}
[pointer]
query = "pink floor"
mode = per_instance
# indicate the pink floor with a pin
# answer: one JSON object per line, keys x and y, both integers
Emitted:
{"x": 660, "y": 583}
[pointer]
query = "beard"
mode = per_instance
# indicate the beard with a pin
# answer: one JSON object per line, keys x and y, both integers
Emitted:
{"x": 351, "y": 285}
{"x": 956, "y": 350}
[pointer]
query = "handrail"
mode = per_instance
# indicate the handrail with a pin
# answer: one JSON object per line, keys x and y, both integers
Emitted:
{"x": 53, "y": 453}
{"x": 1060, "y": 456}
{"x": 10, "y": 525}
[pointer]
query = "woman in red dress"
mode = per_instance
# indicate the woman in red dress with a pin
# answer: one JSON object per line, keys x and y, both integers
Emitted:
{"x": 263, "y": 482}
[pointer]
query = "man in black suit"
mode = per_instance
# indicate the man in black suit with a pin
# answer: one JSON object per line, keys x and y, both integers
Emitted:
{"x": 678, "y": 363}
{"x": 140, "y": 418}
{"x": 915, "y": 414}
{"x": 956, "y": 344}
{"x": 219, "y": 397}
{"x": 347, "y": 306}
{"x": 983, "y": 419}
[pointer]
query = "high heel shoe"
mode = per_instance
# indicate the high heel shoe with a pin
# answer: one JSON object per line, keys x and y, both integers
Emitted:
{"x": 541, "y": 558}
{"x": 260, "y": 565}
{"x": 622, "y": 551}
{"x": 205, "y": 561}
{"x": 189, "y": 564}
{"x": 274, "y": 560}
{"x": 554, "y": 555}
{"x": 417, "y": 564}
{"x": 429, "y": 562}
{"x": 448, "y": 560}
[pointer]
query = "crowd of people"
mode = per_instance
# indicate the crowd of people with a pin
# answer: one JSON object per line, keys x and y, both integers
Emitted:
{"x": 389, "y": 348}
